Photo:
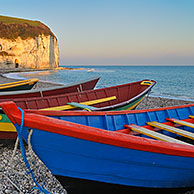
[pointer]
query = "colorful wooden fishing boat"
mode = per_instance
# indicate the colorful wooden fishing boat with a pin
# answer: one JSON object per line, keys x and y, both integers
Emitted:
{"x": 18, "y": 85}
{"x": 123, "y": 97}
{"x": 83, "y": 85}
{"x": 126, "y": 96}
{"x": 127, "y": 148}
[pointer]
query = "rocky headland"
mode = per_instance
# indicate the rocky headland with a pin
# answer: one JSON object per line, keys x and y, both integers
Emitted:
{"x": 27, "y": 44}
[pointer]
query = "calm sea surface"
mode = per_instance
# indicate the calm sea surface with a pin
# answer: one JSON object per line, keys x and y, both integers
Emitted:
{"x": 172, "y": 81}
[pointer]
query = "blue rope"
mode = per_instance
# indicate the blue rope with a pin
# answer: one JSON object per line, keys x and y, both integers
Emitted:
{"x": 23, "y": 152}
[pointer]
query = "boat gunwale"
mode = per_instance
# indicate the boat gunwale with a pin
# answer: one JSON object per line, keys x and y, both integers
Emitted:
{"x": 66, "y": 128}
{"x": 87, "y": 113}
{"x": 18, "y": 83}
{"x": 50, "y": 88}
{"x": 143, "y": 93}
{"x": 91, "y": 91}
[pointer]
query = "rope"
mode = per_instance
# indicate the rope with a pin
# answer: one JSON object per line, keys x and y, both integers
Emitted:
{"x": 23, "y": 152}
{"x": 11, "y": 160}
{"x": 87, "y": 109}
{"x": 30, "y": 151}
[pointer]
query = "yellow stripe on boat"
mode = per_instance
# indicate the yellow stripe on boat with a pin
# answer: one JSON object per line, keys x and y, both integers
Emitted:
{"x": 134, "y": 105}
{"x": 67, "y": 107}
{"x": 184, "y": 123}
{"x": 7, "y": 127}
{"x": 18, "y": 83}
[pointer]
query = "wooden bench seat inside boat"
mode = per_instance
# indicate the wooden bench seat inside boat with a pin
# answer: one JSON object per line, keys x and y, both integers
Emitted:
{"x": 181, "y": 122}
{"x": 154, "y": 134}
{"x": 172, "y": 129}
{"x": 191, "y": 116}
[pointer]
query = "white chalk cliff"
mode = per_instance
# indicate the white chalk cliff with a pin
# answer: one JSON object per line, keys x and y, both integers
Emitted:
{"x": 38, "y": 51}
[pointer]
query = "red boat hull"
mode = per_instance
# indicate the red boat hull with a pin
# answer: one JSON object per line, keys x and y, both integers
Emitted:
{"x": 69, "y": 88}
{"x": 125, "y": 94}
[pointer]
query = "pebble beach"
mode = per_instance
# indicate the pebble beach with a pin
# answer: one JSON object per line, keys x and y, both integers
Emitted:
{"x": 12, "y": 177}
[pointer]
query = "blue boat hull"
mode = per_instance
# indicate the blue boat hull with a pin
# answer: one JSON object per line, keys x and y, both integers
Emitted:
{"x": 77, "y": 158}
{"x": 97, "y": 150}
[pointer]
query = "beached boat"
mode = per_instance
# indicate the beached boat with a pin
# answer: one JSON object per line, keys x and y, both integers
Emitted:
{"x": 18, "y": 85}
{"x": 120, "y": 97}
{"x": 128, "y": 148}
{"x": 63, "y": 89}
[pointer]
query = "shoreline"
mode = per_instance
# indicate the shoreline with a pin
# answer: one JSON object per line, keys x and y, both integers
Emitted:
{"x": 148, "y": 102}
{"x": 44, "y": 84}
{"x": 21, "y": 69}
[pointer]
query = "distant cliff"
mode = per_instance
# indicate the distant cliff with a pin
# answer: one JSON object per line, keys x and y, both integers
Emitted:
{"x": 27, "y": 44}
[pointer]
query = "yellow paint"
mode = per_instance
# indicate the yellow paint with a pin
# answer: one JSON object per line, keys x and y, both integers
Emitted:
{"x": 156, "y": 135}
{"x": 184, "y": 123}
{"x": 87, "y": 109}
{"x": 132, "y": 107}
{"x": 1, "y": 117}
{"x": 191, "y": 116}
{"x": 146, "y": 83}
{"x": 171, "y": 129}
{"x": 67, "y": 107}
{"x": 7, "y": 127}
{"x": 18, "y": 83}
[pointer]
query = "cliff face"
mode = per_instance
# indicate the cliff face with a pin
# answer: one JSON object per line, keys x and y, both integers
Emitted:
{"x": 30, "y": 44}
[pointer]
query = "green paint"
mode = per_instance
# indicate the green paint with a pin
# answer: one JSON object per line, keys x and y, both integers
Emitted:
{"x": 126, "y": 107}
{"x": 4, "y": 119}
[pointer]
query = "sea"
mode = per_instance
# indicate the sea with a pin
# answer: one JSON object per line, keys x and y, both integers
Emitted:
{"x": 176, "y": 82}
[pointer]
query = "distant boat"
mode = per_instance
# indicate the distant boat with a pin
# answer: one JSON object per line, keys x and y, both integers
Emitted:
{"x": 18, "y": 85}
{"x": 123, "y": 148}
{"x": 63, "y": 89}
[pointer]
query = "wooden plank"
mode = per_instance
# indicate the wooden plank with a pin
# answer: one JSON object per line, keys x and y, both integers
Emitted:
{"x": 154, "y": 134}
{"x": 180, "y": 122}
{"x": 172, "y": 129}
{"x": 82, "y": 106}
{"x": 67, "y": 107}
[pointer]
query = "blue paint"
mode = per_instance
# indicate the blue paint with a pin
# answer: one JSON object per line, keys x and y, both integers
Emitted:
{"x": 73, "y": 157}
{"x": 116, "y": 122}
{"x": 78, "y": 158}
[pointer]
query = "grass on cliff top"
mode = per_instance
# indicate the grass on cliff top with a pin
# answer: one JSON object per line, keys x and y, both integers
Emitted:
{"x": 12, "y": 20}
{"x": 11, "y": 28}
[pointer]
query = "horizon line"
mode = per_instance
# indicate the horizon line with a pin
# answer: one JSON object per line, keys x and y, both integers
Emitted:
{"x": 125, "y": 64}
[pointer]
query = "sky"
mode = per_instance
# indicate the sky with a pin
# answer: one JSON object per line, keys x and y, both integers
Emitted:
{"x": 115, "y": 31}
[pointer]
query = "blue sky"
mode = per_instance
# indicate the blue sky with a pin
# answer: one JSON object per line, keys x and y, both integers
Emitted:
{"x": 115, "y": 31}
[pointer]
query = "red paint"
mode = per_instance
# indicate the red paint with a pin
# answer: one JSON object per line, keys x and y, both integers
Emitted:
{"x": 85, "y": 85}
{"x": 8, "y": 135}
{"x": 124, "y": 94}
{"x": 85, "y": 113}
{"x": 94, "y": 134}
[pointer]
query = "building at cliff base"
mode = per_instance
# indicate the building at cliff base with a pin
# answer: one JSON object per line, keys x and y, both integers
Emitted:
{"x": 27, "y": 44}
